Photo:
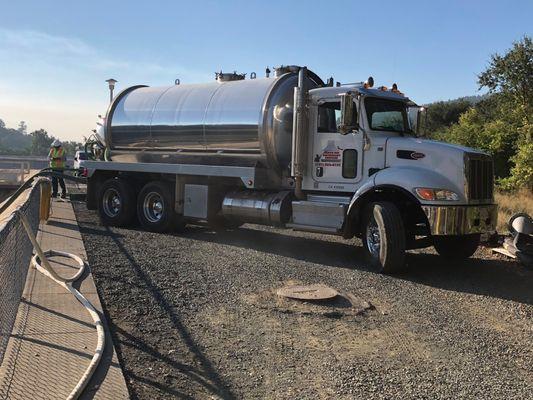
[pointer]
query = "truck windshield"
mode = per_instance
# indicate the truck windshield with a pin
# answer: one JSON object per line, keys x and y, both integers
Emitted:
{"x": 386, "y": 115}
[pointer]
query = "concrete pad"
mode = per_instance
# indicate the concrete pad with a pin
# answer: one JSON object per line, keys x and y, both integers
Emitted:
{"x": 54, "y": 337}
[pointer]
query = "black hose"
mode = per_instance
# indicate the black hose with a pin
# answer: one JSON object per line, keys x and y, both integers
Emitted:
{"x": 44, "y": 172}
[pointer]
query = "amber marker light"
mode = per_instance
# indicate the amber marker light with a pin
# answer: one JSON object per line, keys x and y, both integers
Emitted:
{"x": 431, "y": 194}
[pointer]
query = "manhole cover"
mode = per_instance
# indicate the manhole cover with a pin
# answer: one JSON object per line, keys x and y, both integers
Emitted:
{"x": 308, "y": 292}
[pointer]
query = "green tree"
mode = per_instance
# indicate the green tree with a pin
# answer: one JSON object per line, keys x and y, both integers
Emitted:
{"x": 71, "y": 147}
{"x": 442, "y": 114}
{"x": 495, "y": 136}
{"x": 23, "y": 128}
{"x": 521, "y": 173}
{"x": 41, "y": 142}
{"x": 512, "y": 75}
{"x": 501, "y": 124}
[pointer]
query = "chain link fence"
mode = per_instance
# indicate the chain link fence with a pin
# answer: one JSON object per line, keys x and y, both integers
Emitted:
{"x": 15, "y": 255}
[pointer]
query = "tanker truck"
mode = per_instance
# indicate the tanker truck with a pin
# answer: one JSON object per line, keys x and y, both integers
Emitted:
{"x": 290, "y": 151}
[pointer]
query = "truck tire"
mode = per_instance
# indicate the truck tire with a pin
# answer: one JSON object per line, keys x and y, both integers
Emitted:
{"x": 155, "y": 208}
{"x": 116, "y": 203}
{"x": 384, "y": 237}
{"x": 458, "y": 247}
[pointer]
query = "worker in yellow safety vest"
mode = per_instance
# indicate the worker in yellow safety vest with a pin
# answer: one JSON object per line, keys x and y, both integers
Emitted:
{"x": 58, "y": 162}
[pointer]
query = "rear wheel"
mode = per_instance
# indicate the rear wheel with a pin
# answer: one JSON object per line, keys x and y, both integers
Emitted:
{"x": 155, "y": 208}
{"x": 384, "y": 237}
{"x": 116, "y": 203}
{"x": 457, "y": 247}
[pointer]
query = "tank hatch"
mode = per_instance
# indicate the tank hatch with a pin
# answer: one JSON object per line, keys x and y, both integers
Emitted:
{"x": 229, "y": 76}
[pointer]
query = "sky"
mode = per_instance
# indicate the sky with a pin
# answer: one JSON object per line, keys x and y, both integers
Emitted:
{"x": 56, "y": 55}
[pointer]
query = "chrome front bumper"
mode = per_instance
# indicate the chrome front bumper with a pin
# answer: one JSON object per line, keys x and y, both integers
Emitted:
{"x": 461, "y": 220}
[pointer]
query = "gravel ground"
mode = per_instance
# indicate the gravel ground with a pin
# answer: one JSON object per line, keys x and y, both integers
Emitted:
{"x": 194, "y": 315}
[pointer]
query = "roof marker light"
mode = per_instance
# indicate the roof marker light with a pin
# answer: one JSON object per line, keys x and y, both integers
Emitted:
{"x": 369, "y": 83}
{"x": 394, "y": 89}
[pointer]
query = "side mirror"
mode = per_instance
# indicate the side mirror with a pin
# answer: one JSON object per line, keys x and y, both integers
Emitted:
{"x": 417, "y": 120}
{"x": 422, "y": 115}
{"x": 348, "y": 120}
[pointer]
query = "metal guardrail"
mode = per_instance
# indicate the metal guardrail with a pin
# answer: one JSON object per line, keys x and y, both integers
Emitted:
{"x": 15, "y": 257}
{"x": 36, "y": 162}
{"x": 47, "y": 172}
{"x": 15, "y": 248}
{"x": 13, "y": 173}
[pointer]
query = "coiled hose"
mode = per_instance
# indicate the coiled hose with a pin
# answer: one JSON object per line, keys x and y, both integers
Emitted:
{"x": 41, "y": 263}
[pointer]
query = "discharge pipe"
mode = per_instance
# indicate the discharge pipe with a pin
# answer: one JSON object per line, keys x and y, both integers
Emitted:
{"x": 299, "y": 133}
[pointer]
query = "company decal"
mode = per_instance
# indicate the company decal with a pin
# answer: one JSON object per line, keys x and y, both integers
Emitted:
{"x": 331, "y": 156}
{"x": 409, "y": 154}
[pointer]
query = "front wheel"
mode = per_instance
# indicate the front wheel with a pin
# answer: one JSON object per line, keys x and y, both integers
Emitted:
{"x": 457, "y": 247}
{"x": 384, "y": 237}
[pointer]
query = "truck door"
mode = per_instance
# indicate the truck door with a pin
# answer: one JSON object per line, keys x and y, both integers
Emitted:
{"x": 337, "y": 158}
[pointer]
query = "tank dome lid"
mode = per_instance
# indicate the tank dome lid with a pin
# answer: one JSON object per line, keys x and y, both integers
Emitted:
{"x": 229, "y": 76}
{"x": 283, "y": 69}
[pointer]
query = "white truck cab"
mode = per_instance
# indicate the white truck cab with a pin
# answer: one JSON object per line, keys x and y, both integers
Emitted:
{"x": 438, "y": 190}
{"x": 343, "y": 160}
{"x": 80, "y": 155}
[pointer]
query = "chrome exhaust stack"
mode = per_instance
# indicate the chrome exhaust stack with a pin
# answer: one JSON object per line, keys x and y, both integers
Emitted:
{"x": 299, "y": 133}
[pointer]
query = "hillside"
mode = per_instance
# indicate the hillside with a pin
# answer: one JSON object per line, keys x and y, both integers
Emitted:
{"x": 13, "y": 141}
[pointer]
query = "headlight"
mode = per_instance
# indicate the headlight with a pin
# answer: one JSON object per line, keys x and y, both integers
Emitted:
{"x": 436, "y": 194}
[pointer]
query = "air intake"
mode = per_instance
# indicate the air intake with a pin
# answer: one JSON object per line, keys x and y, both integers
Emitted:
{"x": 480, "y": 177}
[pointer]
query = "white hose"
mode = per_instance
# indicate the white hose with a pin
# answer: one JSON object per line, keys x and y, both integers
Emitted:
{"x": 46, "y": 269}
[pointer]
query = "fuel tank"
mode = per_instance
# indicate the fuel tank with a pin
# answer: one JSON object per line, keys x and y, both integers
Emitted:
{"x": 242, "y": 122}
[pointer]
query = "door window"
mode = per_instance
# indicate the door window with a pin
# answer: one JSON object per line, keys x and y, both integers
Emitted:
{"x": 329, "y": 117}
{"x": 349, "y": 163}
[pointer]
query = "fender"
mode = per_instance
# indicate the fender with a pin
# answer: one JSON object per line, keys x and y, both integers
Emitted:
{"x": 409, "y": 178}
{"x": 367, "y": 187}
{"x": 397, "y": 179}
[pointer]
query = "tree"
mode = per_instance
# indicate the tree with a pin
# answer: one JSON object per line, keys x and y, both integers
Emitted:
{"x": 512, "y": 75}
{"x": 41, "y": 142}
{"x": 501, "y": 124}
{"x": 495, "y": 136}
{"x": 442, "y": 114}
{"x": 71, "y": 147}
{"x": 23, "y": 128}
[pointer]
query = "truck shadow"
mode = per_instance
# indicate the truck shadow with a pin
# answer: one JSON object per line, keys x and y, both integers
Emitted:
{"x": 206, "y": 375}
{"x": 203, "y": 374}
{"x": 489, "y": 277}
{"x": 493, "y": 277}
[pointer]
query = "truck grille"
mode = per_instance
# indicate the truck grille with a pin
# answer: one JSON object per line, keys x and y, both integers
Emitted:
{"x": 480, "y": 177}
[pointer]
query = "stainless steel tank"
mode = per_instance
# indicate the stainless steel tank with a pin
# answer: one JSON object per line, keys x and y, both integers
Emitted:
{"x": 235, "y": 122}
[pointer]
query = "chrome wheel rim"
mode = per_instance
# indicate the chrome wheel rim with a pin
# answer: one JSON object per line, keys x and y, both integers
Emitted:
{"x": 112, "y": 202}
{"x": 373, "y": 237}
{"x": 153, "y": 207}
